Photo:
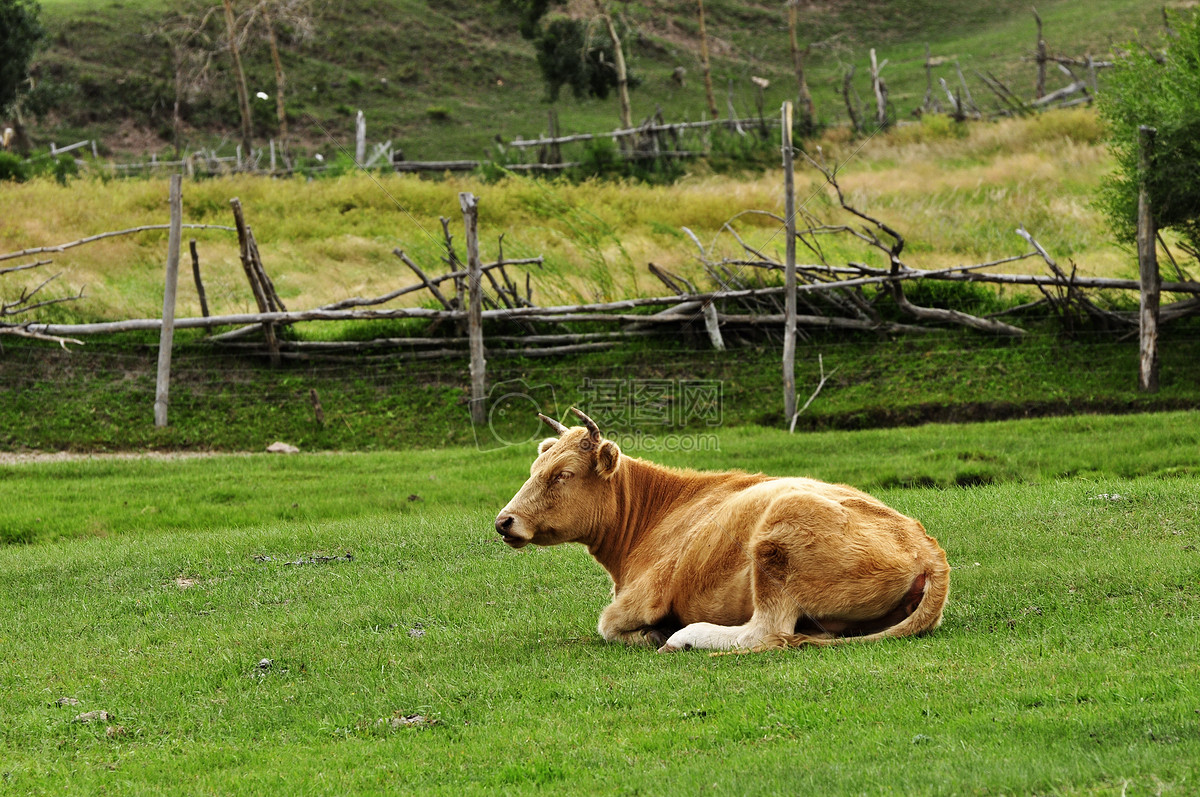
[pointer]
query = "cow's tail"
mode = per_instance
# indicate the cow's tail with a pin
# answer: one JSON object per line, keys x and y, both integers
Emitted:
{"x": 924, "y": 618}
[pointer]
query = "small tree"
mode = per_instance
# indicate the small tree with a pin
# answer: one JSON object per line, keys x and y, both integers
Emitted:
{"x": 1160, "y": 89}
{"x": 20, "y": 35}
{"x": 585, "y": 54}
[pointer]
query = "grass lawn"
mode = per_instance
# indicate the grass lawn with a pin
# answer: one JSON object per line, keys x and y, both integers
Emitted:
{"x": 1067, "y": 663}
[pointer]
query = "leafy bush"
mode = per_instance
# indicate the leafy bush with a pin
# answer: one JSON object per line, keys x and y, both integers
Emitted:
{"x": 13, "y": 167}
{"x": 966, "y": 297}
{"x": 1142, "y": 90}
{"x": 17, "y": 169}
{"x": 438, "y": 113}
{"x": 1075, "y": 124}
{"x": 932, "y": 127}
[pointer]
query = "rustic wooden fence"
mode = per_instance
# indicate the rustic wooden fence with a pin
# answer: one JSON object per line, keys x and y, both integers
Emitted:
{"x": 487, "y": 310}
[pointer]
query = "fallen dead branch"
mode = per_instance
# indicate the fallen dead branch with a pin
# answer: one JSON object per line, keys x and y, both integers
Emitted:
{"x": 37, "y": 250}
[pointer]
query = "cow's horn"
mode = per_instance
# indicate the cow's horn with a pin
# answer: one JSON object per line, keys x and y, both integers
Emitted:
{"x": 592, "y": 428}
{"x": 553, "y": 424}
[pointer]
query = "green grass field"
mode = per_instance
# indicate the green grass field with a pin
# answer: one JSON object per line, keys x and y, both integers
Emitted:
{"x": 1067, "y": 662}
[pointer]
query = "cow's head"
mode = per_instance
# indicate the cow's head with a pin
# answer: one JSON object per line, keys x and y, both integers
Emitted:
{"x": 569, "y": 491}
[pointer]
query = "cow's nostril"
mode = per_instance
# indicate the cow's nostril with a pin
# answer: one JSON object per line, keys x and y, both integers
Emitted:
{"x": 504, "y": 524}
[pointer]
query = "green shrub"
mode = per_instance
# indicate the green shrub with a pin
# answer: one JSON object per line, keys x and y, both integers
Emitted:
{"x": 62, "y": 168}
{"x": 1164, "y": 95}
{"x": 1075, "y": 124}
{"x": 438, "y": 113}
{"x": 940, "y": 127}
{"x": 13, "y": 167}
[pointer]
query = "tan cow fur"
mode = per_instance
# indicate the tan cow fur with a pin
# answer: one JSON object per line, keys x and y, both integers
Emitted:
{"x": 729, "y": 560}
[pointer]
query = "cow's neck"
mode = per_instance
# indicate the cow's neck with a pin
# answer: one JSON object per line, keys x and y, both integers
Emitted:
{"x": 644, "y": 493}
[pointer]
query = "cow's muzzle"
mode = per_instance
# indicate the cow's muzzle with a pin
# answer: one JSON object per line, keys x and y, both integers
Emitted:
{"x": 506, "y": 528}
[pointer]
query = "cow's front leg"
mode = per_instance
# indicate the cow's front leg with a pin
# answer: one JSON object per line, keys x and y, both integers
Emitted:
{"x": 706, "y": 636}
{"x": 633, "y": 619}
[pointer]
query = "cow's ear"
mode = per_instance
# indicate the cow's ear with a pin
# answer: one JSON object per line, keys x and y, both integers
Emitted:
{"x": 545, "y": 445}
{"x": 608, "y": 459}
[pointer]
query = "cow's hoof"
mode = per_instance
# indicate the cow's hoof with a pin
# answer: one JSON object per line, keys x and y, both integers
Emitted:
{"x": 655, "y": 637}
{"x": 669, "y": 649}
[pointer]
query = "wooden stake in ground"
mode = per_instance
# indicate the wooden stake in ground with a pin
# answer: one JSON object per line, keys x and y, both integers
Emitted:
{"x": 360, "y": 139}
{"x": 199, "y": 282}
{"x": 789, "y": 296}
{"x": 470, "y": 211}
{"x": 1147, "y": 267}
{"x": 162, "y": 384}
{"x": 256, "y": 287}
{"x": 318, "y": 411}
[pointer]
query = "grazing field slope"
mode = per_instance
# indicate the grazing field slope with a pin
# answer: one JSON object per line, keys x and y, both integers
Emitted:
{"x": 408, "y": 649}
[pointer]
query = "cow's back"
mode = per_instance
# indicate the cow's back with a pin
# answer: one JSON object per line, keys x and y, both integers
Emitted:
{"x": 702, "y": 552}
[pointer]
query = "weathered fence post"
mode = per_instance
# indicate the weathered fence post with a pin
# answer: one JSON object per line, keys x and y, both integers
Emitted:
{"x": 360, "y": 138}
{"x": 1148, "y": 274}
{"x": 256, "y": 287}
{"x": 162, "y": 384}
{"x": 712, "y": 325}
{"x": 196, "y": 276}
{"x": 789, "y": 296}
{"x": 470, "y": 210}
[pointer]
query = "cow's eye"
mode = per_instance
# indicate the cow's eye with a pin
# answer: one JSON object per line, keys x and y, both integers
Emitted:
{"x": 563, "y": 476}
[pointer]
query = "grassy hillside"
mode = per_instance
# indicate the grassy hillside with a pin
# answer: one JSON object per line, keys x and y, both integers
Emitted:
{"x": 442, "y": 79}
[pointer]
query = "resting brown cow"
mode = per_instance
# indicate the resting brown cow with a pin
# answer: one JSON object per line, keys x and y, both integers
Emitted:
{"x": 728, "y": 560}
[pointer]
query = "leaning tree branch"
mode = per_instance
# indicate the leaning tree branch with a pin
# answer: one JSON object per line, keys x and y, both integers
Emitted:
{"x": 898, "y": 268}
{"x": 60, "y": 247}
{"x": 20, "y": 331}
{"x": 25, "y": 267}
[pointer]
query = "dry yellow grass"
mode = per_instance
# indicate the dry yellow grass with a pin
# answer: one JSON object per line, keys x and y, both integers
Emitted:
{"x": 956, "y": 198}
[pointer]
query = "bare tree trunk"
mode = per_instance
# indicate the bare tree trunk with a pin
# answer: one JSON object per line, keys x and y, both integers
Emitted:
{"x": 20, "y": 137}
{"x": 930, "y": 103}
{"x": 704, "y": 65}
{"x": 880, "y": 89}
{"x": 851, "y": 110}
{"x": 280, "y": 85}
{"x": 239, "y": 77}
{"x": 622, "y": 74}
{"x": 175, "y": 117}
{"x": 803, "y": 95}
{"x": 1041, "y": 58}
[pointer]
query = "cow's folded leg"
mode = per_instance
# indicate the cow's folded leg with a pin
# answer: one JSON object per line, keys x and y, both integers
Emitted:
{"x": 632, "y": 622}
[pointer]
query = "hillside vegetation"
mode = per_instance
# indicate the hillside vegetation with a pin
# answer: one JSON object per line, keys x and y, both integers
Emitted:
{"x": 957, "y": 195}
{"x": 442, "y": 79}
